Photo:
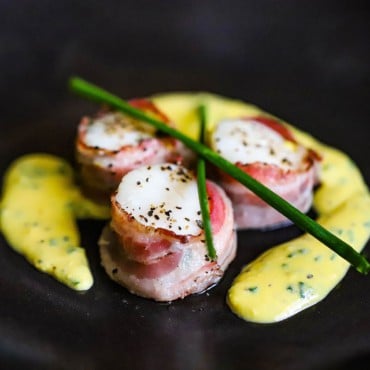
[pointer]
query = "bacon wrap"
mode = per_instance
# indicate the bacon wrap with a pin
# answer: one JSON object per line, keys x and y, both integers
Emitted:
{"x": 101, "y": 170}
{"x": 145, "y": 244}
{"x": 164, "y": 266}
{"x": 275, "y": 125}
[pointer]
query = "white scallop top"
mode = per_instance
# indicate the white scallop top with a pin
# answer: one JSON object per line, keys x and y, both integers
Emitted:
{"x": 114, "y": 130}
{"x": 163, "y": 196}
{"x": 249, "y": 141}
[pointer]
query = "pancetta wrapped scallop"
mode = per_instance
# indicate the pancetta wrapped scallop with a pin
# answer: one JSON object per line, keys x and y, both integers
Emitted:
{"x": 267, "y": 151}
{"x": 112, "y": 143}
{"x": 155, "y": 244}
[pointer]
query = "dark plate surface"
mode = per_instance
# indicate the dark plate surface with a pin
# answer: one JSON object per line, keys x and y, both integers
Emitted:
{"x": 306, "y": 63}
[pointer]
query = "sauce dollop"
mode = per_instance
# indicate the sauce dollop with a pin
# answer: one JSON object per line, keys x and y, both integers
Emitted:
{"x": 38, "y": 209}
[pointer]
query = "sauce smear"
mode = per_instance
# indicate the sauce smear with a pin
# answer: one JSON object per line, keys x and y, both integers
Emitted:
{"x": 38, "y": 217}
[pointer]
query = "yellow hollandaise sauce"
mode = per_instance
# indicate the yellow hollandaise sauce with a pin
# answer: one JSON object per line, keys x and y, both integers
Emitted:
{"x": 299, "y": 273}
{"x": 38, "y": 210}
{"x": 41, "y": 202}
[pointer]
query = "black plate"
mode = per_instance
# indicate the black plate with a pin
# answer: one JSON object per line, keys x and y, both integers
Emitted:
{"x": 308, "y": 64}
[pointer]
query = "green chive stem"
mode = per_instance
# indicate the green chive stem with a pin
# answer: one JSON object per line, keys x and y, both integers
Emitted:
{"x": 202, "y": 190}
{"x": 302, "y": 221}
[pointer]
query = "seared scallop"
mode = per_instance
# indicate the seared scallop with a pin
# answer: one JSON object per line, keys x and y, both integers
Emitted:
{"x": 155, "y": 244}
{"x": 112, "y": 143}
{"x": 266, "y": 150}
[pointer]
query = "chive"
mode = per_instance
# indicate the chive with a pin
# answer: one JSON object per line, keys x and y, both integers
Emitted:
{"x": 202, "y": 190}
{"x": 304, "y": 222}
{"x": 304, "y": 290}
{"x": 289, "y": 288}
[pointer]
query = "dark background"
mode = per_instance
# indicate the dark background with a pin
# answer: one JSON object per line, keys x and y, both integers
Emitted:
{"x": 305, "y": 61}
